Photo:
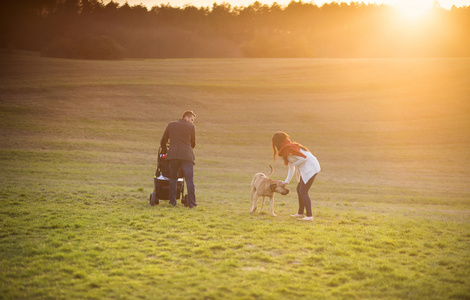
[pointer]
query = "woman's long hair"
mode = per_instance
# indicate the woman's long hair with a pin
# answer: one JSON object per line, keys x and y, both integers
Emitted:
{"x": 277, "y": 140}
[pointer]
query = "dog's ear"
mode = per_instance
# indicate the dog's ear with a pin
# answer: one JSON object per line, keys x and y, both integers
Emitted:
{"x": 273, "y": 186}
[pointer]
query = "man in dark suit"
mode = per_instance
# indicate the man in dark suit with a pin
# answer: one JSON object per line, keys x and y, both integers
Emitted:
{"x": 182, "y": 136}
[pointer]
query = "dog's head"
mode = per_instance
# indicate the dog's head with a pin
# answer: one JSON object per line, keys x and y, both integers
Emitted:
{"x": 279, "y": 186}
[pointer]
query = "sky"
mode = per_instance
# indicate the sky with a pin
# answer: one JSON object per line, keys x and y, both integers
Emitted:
{"x": 412, "y": 5}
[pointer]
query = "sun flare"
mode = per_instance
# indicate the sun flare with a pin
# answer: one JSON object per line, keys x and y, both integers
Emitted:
{"x": 415, "y": 9}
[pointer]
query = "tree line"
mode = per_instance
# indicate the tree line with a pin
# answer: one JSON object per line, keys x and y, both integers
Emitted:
{"x": 90, "y": 29}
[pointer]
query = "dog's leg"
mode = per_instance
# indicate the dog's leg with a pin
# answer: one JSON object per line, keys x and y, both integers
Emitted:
{"x": 262, "y": 205}
{"x": 271, "y": 201}
{"x": 254, "y": 201}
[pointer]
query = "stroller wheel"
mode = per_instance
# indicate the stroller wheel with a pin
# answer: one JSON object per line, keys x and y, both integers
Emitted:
{"x": 153, "y": 199}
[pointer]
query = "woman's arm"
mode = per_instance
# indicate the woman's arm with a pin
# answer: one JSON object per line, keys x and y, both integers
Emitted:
{"x": 290, "y": 172}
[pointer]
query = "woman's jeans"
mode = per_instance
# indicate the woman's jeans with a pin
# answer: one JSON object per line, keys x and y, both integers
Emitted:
{"x": 187, "y": 168}
{"x": 304, "y": 199}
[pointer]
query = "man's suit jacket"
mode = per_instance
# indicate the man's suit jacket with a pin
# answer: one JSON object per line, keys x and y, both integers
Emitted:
{"x": 182, "y": 136}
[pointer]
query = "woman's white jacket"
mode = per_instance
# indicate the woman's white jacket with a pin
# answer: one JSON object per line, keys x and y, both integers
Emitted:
{"x": 302, "y": 167}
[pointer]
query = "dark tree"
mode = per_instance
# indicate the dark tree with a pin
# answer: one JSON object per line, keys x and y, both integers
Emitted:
{"x": 94, "y": 30}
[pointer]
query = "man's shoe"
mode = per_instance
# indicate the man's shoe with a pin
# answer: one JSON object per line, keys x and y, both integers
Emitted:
{"x": 308, "y": 218}
{"x": 297, "y": 216}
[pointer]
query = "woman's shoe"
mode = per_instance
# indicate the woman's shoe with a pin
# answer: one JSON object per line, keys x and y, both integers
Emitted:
{"x": 308, "y": 218}
{"x": 297, "y": 216}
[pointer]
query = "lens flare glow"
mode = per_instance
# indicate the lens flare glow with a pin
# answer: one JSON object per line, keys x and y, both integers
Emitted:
{"x": 414, "y": 9}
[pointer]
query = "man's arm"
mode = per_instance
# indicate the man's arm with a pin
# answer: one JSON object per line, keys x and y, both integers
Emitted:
{"x": 193, "y": 137}
{"x": 164, "y": 140}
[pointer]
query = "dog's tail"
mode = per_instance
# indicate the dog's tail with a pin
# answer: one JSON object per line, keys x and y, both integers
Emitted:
{"x": 272, "y": 171}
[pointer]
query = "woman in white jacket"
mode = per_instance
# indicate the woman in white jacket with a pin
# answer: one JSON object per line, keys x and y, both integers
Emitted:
{"x": 302, "y": 163}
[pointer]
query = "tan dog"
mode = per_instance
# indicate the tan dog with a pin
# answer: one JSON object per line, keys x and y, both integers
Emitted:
{"x": 263, "y": 186}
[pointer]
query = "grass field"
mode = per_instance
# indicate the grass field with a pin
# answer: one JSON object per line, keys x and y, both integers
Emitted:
{"x": 391, "y": 205}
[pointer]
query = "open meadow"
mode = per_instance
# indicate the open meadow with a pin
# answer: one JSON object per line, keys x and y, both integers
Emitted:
{"x": 391, "y": 205}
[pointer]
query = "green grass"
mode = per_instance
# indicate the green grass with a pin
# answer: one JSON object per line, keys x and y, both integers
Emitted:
{"x": 391, "y": 205}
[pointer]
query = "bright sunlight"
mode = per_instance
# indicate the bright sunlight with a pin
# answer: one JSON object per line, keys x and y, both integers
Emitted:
{"x": 415, "y": 9}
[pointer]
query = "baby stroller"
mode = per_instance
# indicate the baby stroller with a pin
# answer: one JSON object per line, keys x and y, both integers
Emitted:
{"x": 161, "y": 182}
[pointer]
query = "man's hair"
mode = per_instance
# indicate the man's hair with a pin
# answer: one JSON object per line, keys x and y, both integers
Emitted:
{"x": 188, "y": 113}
